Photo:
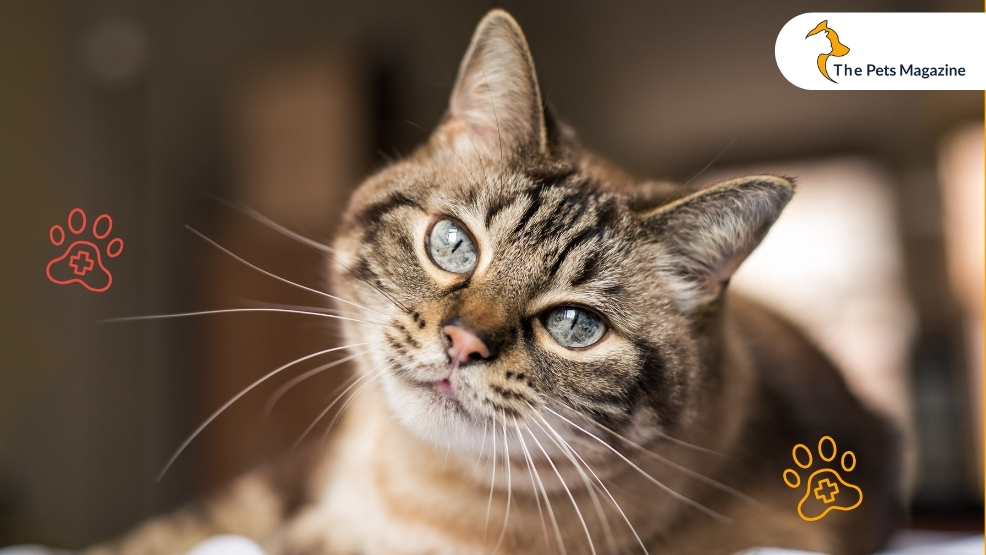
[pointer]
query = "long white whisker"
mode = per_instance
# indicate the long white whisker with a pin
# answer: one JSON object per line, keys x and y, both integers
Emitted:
{"x": 613, "y": 500}
{"x": 273, "y": 225}
{"x": 316, "y": 309}
{"x": 506, "y": 463}
{"x": 448, "y": 449}
{"x": 589, "y": 486}
{"x": 670, "y": 491}
{"x": 608, "y": 494}
{"x": 701, "y": 477}
{"x": 241, "y": 394}
{"x": 691, "y": 446}
{"x": 336, "y": 418}
{"x": 454, "y": 153}
{"x": 662, "y": 435}
{"x": 489, "y": 504}
{"x": 592, "y": 546}
{"x": 328, "y": 408}
{"x": 279, "y": 278}
{"x": 601, "y": 485}
{"x": 534, "y": 487}
{"x": 496, "y": 119}
{"x": 482, "y": 448}
{"x": 300, "y": 238}
{"x": 276, "y": 396}
{"x": 232, "y": 310}
{"x": 547, "y": 501}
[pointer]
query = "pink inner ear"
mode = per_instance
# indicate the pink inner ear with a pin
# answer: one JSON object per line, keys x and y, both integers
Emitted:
{"x": 465, "y": 136}
{"x": 730, "y": 265}
{"x": 495, "y": 104}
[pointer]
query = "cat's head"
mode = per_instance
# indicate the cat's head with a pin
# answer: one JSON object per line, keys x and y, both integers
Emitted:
{"x": 506, "y": 272}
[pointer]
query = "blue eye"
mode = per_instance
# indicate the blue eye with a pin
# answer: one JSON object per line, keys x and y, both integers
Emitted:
{"x": 574, "y": 327}
{"x": 451, "y": 248}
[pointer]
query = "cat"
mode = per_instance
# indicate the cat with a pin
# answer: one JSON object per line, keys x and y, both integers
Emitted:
{"x": 553, "y": 363}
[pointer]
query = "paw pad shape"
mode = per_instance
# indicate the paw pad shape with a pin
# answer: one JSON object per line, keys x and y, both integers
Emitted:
{"x": 82, "y": 261}
{"x": 825, "y": 490}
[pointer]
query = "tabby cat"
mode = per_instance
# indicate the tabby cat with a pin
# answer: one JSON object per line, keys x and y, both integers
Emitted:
{"x": 553, "y": 363}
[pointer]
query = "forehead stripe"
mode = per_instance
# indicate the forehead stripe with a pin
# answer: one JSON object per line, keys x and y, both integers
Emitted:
{"x": 583, "y": 237}
{"x": 373, "y": 212}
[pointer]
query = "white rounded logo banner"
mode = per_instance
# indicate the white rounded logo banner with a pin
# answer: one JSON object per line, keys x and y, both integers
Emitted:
{"x": 884, "y": 51}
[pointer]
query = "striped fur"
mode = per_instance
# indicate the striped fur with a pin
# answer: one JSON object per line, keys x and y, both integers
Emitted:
{"x": 670, "y": 434}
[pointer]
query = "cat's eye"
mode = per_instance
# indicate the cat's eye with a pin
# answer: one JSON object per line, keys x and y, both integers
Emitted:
{"x": 574, "y": 327}
{"x": 451, "y": 248}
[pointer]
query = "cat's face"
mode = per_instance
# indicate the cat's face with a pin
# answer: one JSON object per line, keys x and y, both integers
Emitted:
{"x": 506, "y": 276}
{"x": 544, "y": 272}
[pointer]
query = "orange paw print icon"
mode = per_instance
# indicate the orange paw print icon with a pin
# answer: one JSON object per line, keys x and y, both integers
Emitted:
{"x": 825, "y": 490}
{"x": 82, "y": 262}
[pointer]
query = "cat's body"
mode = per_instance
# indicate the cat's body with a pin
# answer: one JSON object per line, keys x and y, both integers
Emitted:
{"x": 513, "y": 286}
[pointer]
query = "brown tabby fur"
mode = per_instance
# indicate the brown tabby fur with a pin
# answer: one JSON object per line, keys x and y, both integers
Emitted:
{"x": 701, "y": 394}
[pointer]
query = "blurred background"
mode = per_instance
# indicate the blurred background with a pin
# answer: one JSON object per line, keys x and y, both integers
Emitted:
{"x": 148, "y": 111}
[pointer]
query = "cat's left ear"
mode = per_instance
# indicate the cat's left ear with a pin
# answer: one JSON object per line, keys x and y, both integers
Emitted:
{"x": 496, "y": 105}
{"x": 705, "y": 236}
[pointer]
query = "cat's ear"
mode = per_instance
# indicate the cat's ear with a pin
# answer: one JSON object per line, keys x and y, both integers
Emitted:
{"x": 705, "y": 236}
{"x": 496, "y": 103}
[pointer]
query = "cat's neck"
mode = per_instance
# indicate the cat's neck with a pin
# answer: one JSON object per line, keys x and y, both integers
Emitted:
{"x": 466, "y": 495}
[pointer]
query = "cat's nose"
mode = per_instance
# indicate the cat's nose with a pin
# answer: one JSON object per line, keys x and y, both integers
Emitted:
{"x": 465, "y": 346}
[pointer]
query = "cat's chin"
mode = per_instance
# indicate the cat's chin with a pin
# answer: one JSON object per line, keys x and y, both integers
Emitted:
{"x": 433, "y": 413}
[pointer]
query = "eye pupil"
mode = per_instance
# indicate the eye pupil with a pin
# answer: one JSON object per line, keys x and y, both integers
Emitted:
{"x": 451, "y": 248}
{"x": 574, "y": 327}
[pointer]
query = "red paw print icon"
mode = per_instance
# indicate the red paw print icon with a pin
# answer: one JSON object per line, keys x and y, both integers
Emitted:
{"x": 82, "y": 262}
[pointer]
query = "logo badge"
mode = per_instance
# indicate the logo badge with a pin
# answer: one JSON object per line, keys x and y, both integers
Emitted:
{"x": 825, "y": 490}
{"x": 838, "y": 49}
{"x": 82, "y": 261}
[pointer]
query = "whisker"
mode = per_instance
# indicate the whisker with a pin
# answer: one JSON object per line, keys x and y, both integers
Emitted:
{"x": 534, "y": 488}
{"x": 241, "y": 394}
{"x": 482, "y": 165}
{"x": 243, "y": 209}
{"x": 691, "y": 446}
{"x": 698, "y": 476}
{"x": 601, "y": 485}
{"x": 318, "y": 309}
{"x": 670, "y": 491}
{"x": 700, "y": 172}
{"x": 448, "y": 449}
{"x": 547, "y": 500}
{"x": 496, "y": 118}
{"x": 232, "y": 310}
{"x": 506, "y": 463}
{"x": 489, "y": 504}
{"x": 709, "y": 165}
{"x": 592, "y": 546}
{"x": 277, "y": 277}
{"x": 589, "y": 486}
{"x": 454, "y": 153}
{"x": 305, "y": 241}
{"x": 276, "y": 396}
{"x": 300, "y": 238}
{"x": 482, "y": 448}
{"x": 332, "y": 404}
{"x": 376, "y": 375}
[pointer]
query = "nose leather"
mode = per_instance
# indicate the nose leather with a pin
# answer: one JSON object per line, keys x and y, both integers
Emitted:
{"x": 464, "y": 345}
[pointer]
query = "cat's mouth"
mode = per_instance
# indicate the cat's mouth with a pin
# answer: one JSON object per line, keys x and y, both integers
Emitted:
{"x": 445, "y": 388}
{"x": 440, "y": 391}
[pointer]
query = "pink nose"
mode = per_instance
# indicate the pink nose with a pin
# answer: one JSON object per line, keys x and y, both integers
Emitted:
{"x": 464, "y": 346}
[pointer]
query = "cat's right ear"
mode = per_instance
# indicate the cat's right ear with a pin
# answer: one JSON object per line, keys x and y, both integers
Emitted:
{"x": 496, "y": 105}
{"x": 705, "y": 236}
